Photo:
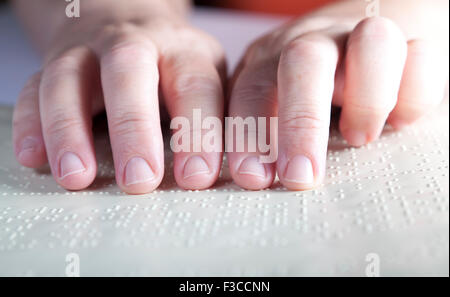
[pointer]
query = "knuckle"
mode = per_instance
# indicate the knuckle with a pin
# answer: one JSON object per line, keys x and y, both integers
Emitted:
{"x": 259, "y": 92}
{"x": 113, "y": 33}
{"x": 256, "y": 85}
{"x": 194, "y": 84}
{"x": 124, "y": 45}
{"x": 379, "y": 29}
{"x": 310, "y": 46}
{"x": 126, "y": 53}
{"x": 304, "y": 120}
{"x": 33, "y": 82}
{"x": 130, "y": 122}
{"x": 30, "y": 90}
{"x": 77, "y": 61}
{"x": 262, "y": 50}
{"x": 188, "y": 34}
{"x": 256, "y": 50}
{"x": 65, "y": 65}
{"x": 60, "y": 124}
{"x": 216, "y": 46}
{"x": 25, "y": 115}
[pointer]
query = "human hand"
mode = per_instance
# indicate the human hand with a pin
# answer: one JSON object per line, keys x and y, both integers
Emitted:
{"x": 370, "y": 69}
{"x": 115, "y": 57}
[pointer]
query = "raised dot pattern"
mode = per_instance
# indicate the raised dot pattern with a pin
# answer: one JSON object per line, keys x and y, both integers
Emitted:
{"x": 389, "y": 197}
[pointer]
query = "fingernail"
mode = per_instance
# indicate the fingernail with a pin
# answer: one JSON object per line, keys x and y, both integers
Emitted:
{"x": 252, "y": 166}
{"x": 138, "y": 171}
{"x": 70, "y": 164}
{"x": 195, "y": 165}
{"x": 299, "y": 170}
{"x": 29, "y": 144}
{"x": 356, "y": 138}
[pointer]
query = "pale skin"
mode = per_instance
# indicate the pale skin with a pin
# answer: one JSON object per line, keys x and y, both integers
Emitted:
{"x": 119, "y": 54}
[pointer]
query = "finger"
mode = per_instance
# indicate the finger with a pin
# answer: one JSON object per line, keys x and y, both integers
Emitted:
{"x": 193, "y": 91}
{"x": 423, "y": 84}
{"x": 375, "y": 60}
{"x": 253, "y": 97}
{"x": 305, "y": 90}
{"x": 130, "y": 85}
{"x": 28, "y": 141}
{"x": 65, "y": 106}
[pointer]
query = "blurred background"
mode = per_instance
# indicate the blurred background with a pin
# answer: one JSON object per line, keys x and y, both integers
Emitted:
{"x": 292, "y": 7}
{"x": 18, "y": 60}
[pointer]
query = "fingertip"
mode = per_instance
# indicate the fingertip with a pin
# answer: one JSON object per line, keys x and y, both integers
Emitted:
{"x": 74, "y": 173}
{"x": 360, "y": 128}
{"x": 381, "y": 28}
{"x": 422, "y": 85}
{"x": 30, "y": 152}
{"x": 139, "y": 177}
{"x": 250, "y": 173}
{"x": 355, "y": 138}
{"x": 398, "y": 123}
{"x": 141, "y": 188}
{"x": 196, "y": 172}
{"x": 298, "y": 173}
{"x": 293, "y": 186}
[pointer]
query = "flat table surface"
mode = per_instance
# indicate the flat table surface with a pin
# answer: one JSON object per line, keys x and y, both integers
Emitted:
{"x": 388, "y": 199}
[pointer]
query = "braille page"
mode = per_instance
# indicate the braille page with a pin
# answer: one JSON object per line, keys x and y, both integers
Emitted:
{"x": 386, "y": 201}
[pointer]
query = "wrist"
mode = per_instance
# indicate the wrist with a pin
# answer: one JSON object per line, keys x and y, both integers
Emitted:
{"x": 131, "y": 8}
{"x": 46, "y": 20}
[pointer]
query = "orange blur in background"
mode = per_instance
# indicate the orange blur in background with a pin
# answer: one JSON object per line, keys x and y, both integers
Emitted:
{"x": 277, "y": 6}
